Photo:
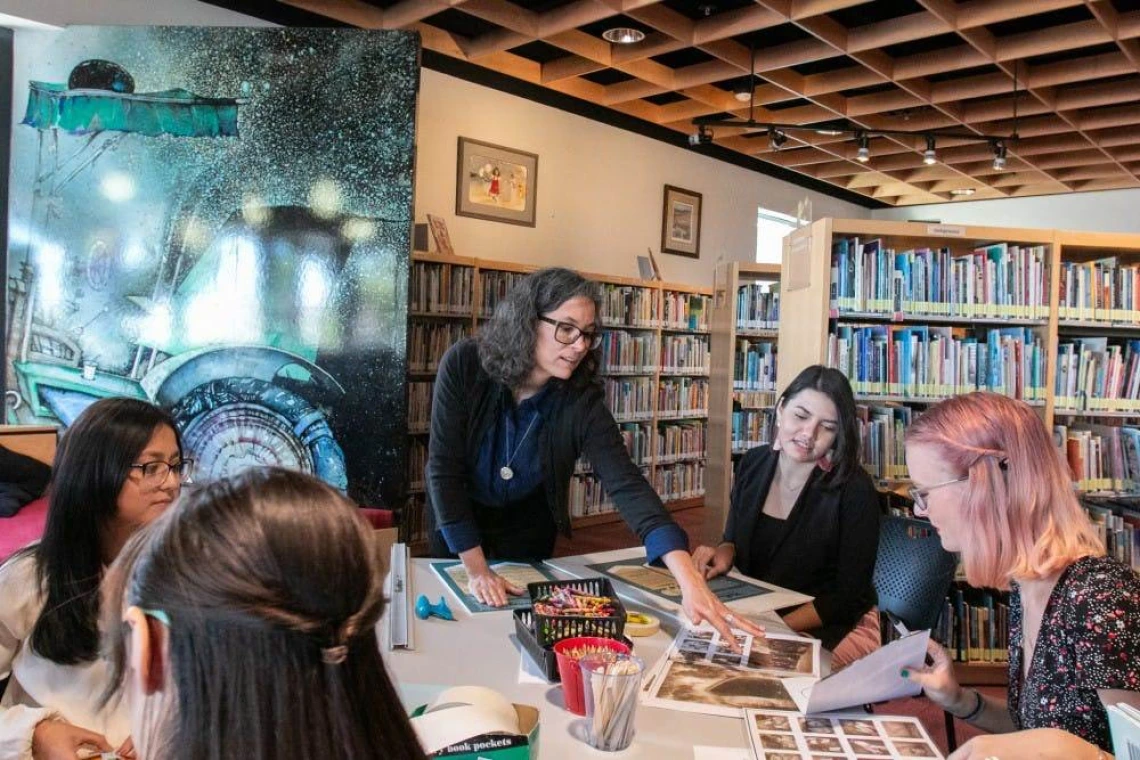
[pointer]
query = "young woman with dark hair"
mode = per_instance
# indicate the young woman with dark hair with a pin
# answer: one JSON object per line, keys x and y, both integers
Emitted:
{"x": 241, "y": 624}
{"x": 512, "y": 411}
{"x": 805, "y": 515}
{"x": 118, "y": 466}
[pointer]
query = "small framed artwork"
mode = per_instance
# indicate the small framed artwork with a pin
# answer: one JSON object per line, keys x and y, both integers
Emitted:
{"x": 439, "y": 235}
{"x": 681, "y": 222}
{"x": 496, "y": 183}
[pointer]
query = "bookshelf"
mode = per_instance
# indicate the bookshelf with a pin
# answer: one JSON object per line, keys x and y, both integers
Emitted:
{"x": 655, "y": 364}
{"x": 1058, "y": 314}
{"x": 744, "y": 323}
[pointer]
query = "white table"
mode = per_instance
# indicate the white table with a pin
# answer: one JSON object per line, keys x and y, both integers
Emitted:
{"x": 481, "y": 649}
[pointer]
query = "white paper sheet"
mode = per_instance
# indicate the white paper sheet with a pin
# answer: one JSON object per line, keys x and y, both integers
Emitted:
{"x": 874, "y": 678}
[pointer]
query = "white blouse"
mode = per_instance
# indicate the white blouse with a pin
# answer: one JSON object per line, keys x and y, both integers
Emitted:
{"x": 40, "y": 688}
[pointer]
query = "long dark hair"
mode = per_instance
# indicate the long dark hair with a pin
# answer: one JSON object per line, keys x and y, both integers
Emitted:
{"x": 262, "y": 575}
{"x": 92, "y": 462}
{"x": 506, "y": 341}
{"x": 833, "y": 384}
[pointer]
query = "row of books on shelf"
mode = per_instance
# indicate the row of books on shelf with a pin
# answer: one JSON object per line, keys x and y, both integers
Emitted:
{"x": 494, "y": 286}
{"x": 413, "y": 524}
{"x": 427, "y": 343}
{"x": 682, "y": 480}
{"x": 754, "y": 399}
{"x": 1100, "y": 457}
{"x": 1117, "y": 523}
{"x": 670, "y": 442}
{"x": 685, "y": 353}
{"x": 685, "y": 311}
{"x": 1093, "y": 375}
{"x": 752, "y": 428}
{"x": 1002, "y": 280}
{"x": 882, "y": 433}
{"x": 417, "y": 464}
{"x": 419, "y": 403}
{"x": 754, "y": 366}
{"x": 974, "y": 626}
{"x": 629, "y": 397}
{"x": 932, "y": 361}
{"x": 441, "y": 288}
{"x": 629, "y": 305}
{"x": 758, "y": 306}
{"x": 623, "y": 351}
{"x": 1103, "y": 291}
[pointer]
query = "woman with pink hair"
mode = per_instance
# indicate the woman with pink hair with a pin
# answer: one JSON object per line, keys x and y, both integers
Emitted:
{"x": 987, "y": 475}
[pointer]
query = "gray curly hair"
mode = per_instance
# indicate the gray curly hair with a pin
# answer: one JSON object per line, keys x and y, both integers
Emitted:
{"x": 506, "y": 342}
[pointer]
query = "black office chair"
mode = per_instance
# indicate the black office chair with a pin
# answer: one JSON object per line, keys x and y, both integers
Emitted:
{"x": 912, "y": 575}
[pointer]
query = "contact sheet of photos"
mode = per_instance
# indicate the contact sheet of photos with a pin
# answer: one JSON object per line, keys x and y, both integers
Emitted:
{"x": 779, "y": 736}
{"x": 700, "y": 673}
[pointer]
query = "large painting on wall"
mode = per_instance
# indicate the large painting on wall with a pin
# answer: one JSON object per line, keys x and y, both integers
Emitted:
{"x": 218, "y": 220}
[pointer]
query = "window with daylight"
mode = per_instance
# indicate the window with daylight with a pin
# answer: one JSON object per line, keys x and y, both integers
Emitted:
{"x": 771, "y": 227}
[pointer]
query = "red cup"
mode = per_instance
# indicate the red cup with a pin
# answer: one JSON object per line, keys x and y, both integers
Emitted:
{"x": 571, "y": 674}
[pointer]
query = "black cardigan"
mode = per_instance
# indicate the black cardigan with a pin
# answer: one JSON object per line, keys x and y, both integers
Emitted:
{"x": 467, "y": 402}
{"x": 829, "y": 544}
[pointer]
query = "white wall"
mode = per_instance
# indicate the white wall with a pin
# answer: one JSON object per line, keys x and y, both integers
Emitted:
{"x": 1100, "y": 211}
{"x": 600, "y": 188}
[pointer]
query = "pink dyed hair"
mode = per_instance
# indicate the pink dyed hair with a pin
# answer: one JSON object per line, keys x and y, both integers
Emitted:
{"x": 1022, "y": 522}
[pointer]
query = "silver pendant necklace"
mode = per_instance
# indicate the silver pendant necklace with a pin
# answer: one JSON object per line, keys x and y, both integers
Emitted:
{"x": 505, "y": 472}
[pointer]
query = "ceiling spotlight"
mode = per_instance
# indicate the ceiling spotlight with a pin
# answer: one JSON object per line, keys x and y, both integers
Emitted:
{"x": 776, "y": 139}
{"x": 929, "y": 156}
{"x": 829, "y": 132}
{"x": 743, "y": 93}
{"x": 703, "y": 136}
{"x": 964, "y": 191}
{"x": 623, "y": 35}
{"x": 864, "y": 154}
{"x": 999, "y": 156}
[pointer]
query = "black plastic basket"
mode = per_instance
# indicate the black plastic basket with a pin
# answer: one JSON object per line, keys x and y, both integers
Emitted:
{"x": 549, "y": 629}
{"x": 544, "y": 657}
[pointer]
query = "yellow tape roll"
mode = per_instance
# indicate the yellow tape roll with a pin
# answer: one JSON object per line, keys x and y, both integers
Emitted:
{"x": 640, "y": 624}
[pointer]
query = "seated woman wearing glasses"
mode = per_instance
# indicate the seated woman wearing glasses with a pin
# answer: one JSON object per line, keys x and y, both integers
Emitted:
{"x": 986, "y": 473}
{"x": 118, "y": 466}
{"x": 805, "y": 515}
{"x": 242, "y": 624}
{"x": 511, "y": 413}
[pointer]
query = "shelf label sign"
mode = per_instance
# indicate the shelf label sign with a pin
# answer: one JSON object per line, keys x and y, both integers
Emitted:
{"x": 946, "y": 230}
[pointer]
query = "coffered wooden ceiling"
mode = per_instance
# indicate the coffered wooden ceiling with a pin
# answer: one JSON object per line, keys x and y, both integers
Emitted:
{"x": 907, "y": 65}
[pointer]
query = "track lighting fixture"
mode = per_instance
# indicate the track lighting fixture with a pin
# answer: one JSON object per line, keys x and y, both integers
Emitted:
{"x": 703, "y": 136}
{"x": 623, "y": 35}
{"x": 929, "y": 156}
{"x": 999, "y": 155}
{"x": 776, "y": 138}
{"x": 864, "y": 154}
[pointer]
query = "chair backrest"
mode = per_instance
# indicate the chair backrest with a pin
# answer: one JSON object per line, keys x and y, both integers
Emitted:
{"x": 912, "y": 571}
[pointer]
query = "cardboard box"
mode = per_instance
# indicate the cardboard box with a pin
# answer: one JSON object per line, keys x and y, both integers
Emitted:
{"x": 497, "y": 746}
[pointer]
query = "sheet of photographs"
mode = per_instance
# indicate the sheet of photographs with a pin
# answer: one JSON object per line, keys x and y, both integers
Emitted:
{"x": 700, "y": 673}
{"x": 778, "y": 736}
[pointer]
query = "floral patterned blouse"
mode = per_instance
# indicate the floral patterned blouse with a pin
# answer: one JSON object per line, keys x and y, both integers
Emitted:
{"x": 1089, "y": 640}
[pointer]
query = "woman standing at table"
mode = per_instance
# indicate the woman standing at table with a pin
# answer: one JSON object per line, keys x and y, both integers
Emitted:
{"x": 987, "y": 475}
{"x": 805, "y": 515}
{"x": 512, "y": 411}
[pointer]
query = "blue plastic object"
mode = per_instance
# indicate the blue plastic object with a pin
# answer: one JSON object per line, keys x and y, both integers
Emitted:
{"x": 425, "y": 609}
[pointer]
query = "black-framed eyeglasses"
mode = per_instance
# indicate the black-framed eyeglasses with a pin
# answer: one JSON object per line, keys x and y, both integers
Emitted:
{"x": 919, "y": 494}
{"x": 568, "y": 334}
{"x": 155, "y": 473}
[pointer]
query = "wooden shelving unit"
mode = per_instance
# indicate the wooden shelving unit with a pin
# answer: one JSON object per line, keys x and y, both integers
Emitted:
{"x": 724, "y": 398}
{"x": 478, "y": 302}
{"x": 806, "y": 293}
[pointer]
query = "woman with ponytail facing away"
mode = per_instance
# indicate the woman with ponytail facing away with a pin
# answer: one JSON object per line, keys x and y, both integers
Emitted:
{"x": 241, "y": 624}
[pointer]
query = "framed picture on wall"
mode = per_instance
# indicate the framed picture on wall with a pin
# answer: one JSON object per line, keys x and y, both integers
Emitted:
{"x": 681, "y": 222}
{"x": 496, "y": 183}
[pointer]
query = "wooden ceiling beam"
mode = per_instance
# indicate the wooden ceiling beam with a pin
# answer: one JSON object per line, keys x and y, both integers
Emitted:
{"x": 1092, "y": 171}
{"x": 1104, "y": 118}
{"x": 1097, "y": 95}
{"x": 939, "y": 61}
{"x": 1055, "y": 39}
{"x": 665, "y": 20}
{"x": 977, "y": 13}
{"x": 1067, "y": 159}
{"x": 801, "y": 9}
{"x": 570, "y": 16}
{"x": 1078, "y": 70}
{"x": 497, "y": 41}
{"x": 654, "y": 43}
{"x": 585, "y": 45}
{"x": 504, "y": 14}
{"x": 359, "y": 13}
{"x": 732, "y": 23}
{"x": 916, "y": 26}
{"x": 570, "y": 66}
{"x": 880, "y": 102}
{"x": 849, "y": 78}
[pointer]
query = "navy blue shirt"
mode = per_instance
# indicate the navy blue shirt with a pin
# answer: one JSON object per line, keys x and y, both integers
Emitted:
{"x": 514, "y": 439}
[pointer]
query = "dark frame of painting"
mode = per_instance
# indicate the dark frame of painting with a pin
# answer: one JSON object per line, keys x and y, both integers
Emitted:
{"x": 528, "y": 162}
{"x": 689, "y": 245}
